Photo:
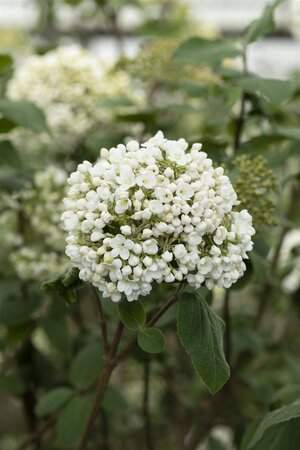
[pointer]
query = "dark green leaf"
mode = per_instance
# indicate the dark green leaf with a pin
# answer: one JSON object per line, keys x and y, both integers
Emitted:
{"x": 16, "y": 311}
{"x": 262, "y": 26}
{"x": 53, "y": 400}
{"x": 151, "y": 340}
{"x": 9, "y": 155}
{"x": 72, "y": 420}
{"x": 23, "y": 113}
{"x": 272, "y": 90}
{"x": 201, "y": 333}
{"x": 289, "y": 132}
{"x": 12, "y": 383}
{"x": 279, "y": 417}
{"x": 288, "y": 394}
{"x": 114, "y": 401}
{"x": 6, "y": 125}
{"x": 6, "y": 63}
{"x": 57, "y": 332}
{"x": 202, "y": 51}
{"x": 132, "y": 314}
{"x": 86, "y": 366}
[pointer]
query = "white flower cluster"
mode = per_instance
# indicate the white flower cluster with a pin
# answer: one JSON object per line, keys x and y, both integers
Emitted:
{"x": 39, "y": 252}
{"x": 67, "y": 84}
{"x": 155, "y": 212}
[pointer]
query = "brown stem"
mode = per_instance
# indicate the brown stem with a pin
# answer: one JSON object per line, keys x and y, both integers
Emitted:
{"x": 37, "y": 434}
{"x": 102, "y": 320}
{"x": 146, "y": 413}
{"x": 109, "y": 366}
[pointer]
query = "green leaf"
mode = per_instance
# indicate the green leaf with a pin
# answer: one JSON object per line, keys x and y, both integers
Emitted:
{"x": 57, "y": 332}
{"x": 9, "y": 155}
{"x": 86, "y": 366}
{"x": 71, "y": 277}
{"x": 201, "y": 333}
{"x": 272, "y": 90}
{"x": 132, "y": 314}
{"x": 6, "y": 125}
{"x": 16, "y": 311}
{"x": 262, "y": 26}
{"x": 12, "y": 383}
{"x": 53, "y": 400}
{"x": 276, "y": 424}
{"x": 72, "y": 420}
{"x": 6, "y": 63}
{"x": 202, "y": 51}
{"x": 151, "y": 340}
{"x": 113, "y": 400}
{"x": 23, "y": 113}
{"x": 260, "y": 144}
{"x": 286, "y": 395}
{"x": 289, "y": 132}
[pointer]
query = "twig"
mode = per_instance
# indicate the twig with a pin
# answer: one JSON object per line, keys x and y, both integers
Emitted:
{"x": 102, "y": 385}
{"x": 110, "y": 362}
{"x": 102, "y": 320}
{"x": 37, "y": 434}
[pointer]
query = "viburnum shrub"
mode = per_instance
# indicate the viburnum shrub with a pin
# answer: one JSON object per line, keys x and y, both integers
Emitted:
{"x": 158, "y": 212}
{"x": 154, "y": 213}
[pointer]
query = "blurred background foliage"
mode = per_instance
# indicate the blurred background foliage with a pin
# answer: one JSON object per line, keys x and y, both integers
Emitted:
{"x": 61, "y": 101}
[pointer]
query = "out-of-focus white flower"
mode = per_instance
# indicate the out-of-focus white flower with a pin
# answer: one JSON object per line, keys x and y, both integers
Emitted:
{"x": 166, "y": 218}
{"x": 38, "y": 248}
{"x": 68, "y": 84}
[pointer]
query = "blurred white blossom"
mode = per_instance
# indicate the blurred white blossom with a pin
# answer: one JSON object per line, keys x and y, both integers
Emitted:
{"x": 68, "y": 84}
{"x": 38, "y": 247}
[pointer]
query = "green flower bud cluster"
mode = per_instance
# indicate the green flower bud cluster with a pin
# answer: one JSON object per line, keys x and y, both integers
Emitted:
{"x": 256, "y": 185}
{"x": 154, "y": 64}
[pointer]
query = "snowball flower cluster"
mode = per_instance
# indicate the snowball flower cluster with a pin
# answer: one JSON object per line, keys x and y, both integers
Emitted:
{"x": 154, "y": 213}
{"x": 39, "y": 242}
{"x": 68, "y": 84}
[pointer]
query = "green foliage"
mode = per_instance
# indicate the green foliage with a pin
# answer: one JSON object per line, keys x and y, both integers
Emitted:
{"x": 271, "y": 90}
{"x": 262, "y": 26}
{"x": 132, "y": 315}
{"x": 201, "y": 333}
{"x": 151, "y": 340}
{"x": 23, "y": 113}
{"x": 72, "y": 421}
{"x": 190, "y": 84}
{"x": 86, "y": 366}
{"x": 6, "y": 63}
{"x": 9, "y": 155}
{"x": 205, "y": 51}
{"x": 53, "y": 400}
{"x": 279, "y": 428}
{"x": 114, "y": 401}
